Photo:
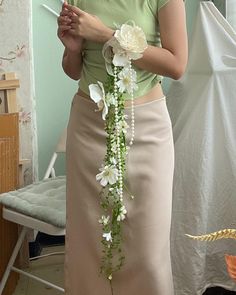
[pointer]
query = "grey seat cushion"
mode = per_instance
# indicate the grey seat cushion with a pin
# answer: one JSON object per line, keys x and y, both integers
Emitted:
{"x": 44, "y": 200}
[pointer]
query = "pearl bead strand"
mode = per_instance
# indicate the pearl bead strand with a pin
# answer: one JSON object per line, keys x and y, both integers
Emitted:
{"x": 132, "y": 105}
{"x": 120, "y": 178}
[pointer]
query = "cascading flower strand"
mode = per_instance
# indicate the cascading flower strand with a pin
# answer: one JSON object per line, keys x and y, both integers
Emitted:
{"x": 127, "y": 44}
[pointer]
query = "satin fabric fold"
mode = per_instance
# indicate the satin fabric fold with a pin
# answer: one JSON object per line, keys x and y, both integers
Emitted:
{"x": 146, "y": 230}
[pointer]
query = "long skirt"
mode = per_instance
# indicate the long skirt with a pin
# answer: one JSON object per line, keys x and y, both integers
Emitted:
{"x": 146, "y": 229}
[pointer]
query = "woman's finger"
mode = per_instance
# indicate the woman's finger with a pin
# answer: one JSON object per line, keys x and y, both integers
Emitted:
{"x": 74, "y": 18}
{"x": 63, "y": 20}
{"x": 65, "y": 28}
{"x": 74, "y": 25}
{"x": 73, "y": 32}
{"x": 74, "y": 9}
{"x": 65, "y": 12}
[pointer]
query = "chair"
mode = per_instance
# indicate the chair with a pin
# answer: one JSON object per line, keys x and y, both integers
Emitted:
{"x": 39, "y": 206}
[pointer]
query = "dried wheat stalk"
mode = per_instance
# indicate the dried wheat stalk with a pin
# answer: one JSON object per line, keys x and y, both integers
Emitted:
{"x": 221, "y": 234}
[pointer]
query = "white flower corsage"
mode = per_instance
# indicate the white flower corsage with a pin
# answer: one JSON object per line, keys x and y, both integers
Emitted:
{"x": 127, "y": 44}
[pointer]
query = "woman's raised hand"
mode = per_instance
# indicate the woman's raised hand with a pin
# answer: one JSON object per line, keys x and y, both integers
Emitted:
{"x": 87, "y": 26}
{"x": 70, "y": 40}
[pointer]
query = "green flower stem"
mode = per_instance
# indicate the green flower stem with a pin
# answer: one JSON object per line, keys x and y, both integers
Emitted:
{"x": 110, "y": 201}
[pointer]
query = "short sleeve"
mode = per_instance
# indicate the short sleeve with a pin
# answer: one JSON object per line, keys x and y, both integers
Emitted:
{"x": 162, "y": 3}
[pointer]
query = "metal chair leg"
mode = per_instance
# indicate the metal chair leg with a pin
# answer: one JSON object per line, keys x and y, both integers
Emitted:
{"x": 13, "y": 258}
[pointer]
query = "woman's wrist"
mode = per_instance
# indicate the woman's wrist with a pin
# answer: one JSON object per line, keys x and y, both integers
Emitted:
{"x": 74, "y": 52}
{"x": 72, "y": 63}
{"x": 107, "y": 35}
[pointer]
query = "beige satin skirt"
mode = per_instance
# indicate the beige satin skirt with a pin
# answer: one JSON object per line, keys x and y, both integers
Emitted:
{"x": 146, "y": 230}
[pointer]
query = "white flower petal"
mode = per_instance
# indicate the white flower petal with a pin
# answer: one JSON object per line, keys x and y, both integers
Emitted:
{"x": 108, "y": 49}
{"x": 100, "y": 105}
{"x": 109, "y": 174}
{"x": 120, "y": 60}
{"x": 103, "y": 182}
{"x": 132, "y": 39}
{"x": 102, "y": 88}
{"x": 134, "y": 55}
{"x": 95, "y": 92}
{"x": 104, "y": 220}
{"x": 109, "y": 68}
{"x": 107, "y": 236}
{"x": 105, "y": 111}
{"x": 121, "y": 86}
{"x": 99, "y": 176}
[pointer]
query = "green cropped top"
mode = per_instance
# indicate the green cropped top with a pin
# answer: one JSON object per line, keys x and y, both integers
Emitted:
{"x": 111, "y": 12}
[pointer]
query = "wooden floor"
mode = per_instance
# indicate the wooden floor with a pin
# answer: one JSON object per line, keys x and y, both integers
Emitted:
{"x": 51, "y": 268}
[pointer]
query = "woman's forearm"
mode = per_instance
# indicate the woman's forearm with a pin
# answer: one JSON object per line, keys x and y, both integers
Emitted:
{"x": 162, "y": 62}
{"x": 170, "y": 60}
{"x": 72, "y": 63}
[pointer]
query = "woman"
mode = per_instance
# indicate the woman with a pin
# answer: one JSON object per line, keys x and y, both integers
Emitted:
{"x": 83, "y": 27}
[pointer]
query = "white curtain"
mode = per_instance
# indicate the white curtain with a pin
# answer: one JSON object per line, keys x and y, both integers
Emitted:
{"x": 202, "y": 107}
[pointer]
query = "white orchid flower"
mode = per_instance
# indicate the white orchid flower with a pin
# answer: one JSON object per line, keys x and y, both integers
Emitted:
{"x": 127, "y": 80}
{"x": 97, "y": 94}
{"x": 109, "y": 174}
{"x": 107, "y": 236}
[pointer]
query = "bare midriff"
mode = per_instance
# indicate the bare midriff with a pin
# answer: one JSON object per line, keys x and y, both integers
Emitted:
{"x": 154, "y": 94}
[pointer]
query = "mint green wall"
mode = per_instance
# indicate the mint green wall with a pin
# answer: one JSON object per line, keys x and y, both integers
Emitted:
{"x": 53, "y": 90}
